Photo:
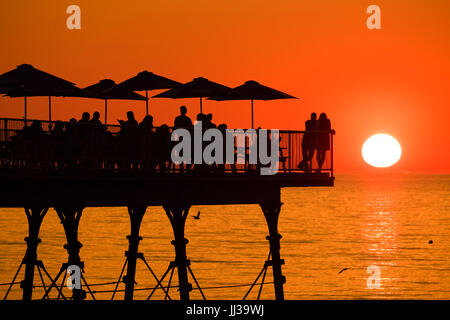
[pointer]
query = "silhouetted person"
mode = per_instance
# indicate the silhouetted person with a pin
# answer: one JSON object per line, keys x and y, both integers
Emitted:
{"x": 37, "y": 139}
{"x": 131, "y": 121}
{"x": 36, "y": 130}
{"x": 208, "y": 121}
{"x": 129, "y": 140}
{"x": 147, "y": 143}
{"x": 96, "y": 119}
{"x": 83, "y": 125}
{"x": 58, "y": 130}
{"x": 72, "y": 146}
{"x": 322, "y": 139}
{"x": 308, "y": 142}
{"x": 201, "y": 117}
{"x": 182, "y": 121}
{"x": 163, "y": 147}
{"x": 71, "y": 124}
{"x": 147, "y": 122}
{"x": 57, "y": 140}
{"x": 223, "y": 129}
{"x": 85, "y": 118}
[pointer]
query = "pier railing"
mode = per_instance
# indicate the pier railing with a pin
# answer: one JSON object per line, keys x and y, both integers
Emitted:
{"x": 55, "y": 145}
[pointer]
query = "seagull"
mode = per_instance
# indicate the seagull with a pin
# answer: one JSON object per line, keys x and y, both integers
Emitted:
{"x": 197, "y": 216}
{"x": 343, "y": 270}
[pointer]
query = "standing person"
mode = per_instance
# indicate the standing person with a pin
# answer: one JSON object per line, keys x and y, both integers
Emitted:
{"x": 147, "y": 144}
{"x": 146, "y": 123}
{"x": 85, "y": 136}
{"x": 323, "y": 139}
{"x": 128, "y": 141}
{"x": 208, "y": 121}
{"x": 131, "y": 121}
{"x": 83, "y": 125}
{"x": 85, "y": 118}
{"x": 182, "y": 121}
{"x": 308, "y": 143}
{"x": 96, "y": 119}
{"x": 164, "y": 145}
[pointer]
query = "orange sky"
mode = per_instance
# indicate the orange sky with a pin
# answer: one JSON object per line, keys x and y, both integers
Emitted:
{"x": 394, "y": 80}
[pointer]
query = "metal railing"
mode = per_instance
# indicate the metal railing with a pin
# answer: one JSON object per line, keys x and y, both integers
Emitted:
{"x": 56, "y": 145}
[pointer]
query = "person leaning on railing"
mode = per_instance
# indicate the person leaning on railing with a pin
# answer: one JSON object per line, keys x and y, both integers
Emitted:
{"x": 323, "y": 139}
{"x": 308, "y": 143}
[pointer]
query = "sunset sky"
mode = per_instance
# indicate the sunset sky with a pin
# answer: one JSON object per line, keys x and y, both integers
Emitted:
{"x": 394, "y": 80}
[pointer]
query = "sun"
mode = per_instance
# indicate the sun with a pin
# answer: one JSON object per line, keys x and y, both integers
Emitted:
{"x": 381, "y": 150}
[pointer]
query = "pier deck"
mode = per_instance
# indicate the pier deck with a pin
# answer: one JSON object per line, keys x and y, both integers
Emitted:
{"x": 99, "y": 190}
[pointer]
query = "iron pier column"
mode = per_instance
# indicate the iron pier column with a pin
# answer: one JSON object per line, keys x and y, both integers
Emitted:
{"x": 70, "y": 219}
{"x": 35, "y": 217}
{"x": 136, "y": 215}
{"x": 177, "y": 215}
{"x": 271, "y": 211}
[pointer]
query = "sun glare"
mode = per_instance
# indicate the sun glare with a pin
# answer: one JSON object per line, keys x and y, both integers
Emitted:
{"x": 381, "y": 150}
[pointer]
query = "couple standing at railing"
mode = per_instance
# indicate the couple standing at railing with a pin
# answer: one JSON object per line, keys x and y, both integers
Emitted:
{"x": 316, "y": 138}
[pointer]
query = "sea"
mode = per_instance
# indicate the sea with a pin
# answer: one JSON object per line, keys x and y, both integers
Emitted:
{"x": 368, "y": 237}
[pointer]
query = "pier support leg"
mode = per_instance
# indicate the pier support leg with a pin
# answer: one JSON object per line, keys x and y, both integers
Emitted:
{"x": 35, "y": 217}
{"x": 70, "y": 219}
{"x": 271, "y": 211}
{"x": 136, "y": 215}
{"x": 177, "y": 215}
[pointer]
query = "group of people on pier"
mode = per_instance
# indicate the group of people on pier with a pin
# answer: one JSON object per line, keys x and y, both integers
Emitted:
{"x": 88, "y": 143}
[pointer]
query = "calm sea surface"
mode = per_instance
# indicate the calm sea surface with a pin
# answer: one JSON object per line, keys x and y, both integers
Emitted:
{"x": 386, "y": 222}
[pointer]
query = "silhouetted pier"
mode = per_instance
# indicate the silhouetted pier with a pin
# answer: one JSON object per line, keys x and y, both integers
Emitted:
{"x": 36, "y": 177}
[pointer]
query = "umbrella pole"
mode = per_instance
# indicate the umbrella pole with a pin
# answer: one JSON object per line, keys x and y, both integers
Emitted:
{"x": 252, "y": 113}
{"x": 25, "y": 116}
{"x": 49, "y": 108}
{"x": 146, "y": 101}
{"x": 201, "y": 107}
{"x": 106, "y": 110}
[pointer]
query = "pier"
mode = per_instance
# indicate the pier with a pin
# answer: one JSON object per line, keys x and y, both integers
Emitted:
{"x": 36, "y": 177}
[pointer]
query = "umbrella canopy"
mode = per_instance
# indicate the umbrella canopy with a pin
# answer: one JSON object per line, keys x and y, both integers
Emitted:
{"x": 252, "y": 90}
{"x": 197, "y": 88}
{"x": 102, "y": 90}
{"x": 27, "y": 81}
{"x": 30, "y": 77}
{"x": 146, "y": 80}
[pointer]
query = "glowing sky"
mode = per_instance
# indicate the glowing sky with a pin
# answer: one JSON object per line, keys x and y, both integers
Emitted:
{"x": 394, "y": 80}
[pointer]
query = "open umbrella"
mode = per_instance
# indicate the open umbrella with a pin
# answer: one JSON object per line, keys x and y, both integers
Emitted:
{"x": 27, "y": 81}
{"x": 102, "y": 90}
{"x": 252, "y": 90}
{"x": 146, "y": 81}
{"x": 197, "y": 88}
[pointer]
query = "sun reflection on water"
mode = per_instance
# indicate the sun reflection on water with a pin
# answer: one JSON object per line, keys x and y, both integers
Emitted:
{"x": 380, "y": 238}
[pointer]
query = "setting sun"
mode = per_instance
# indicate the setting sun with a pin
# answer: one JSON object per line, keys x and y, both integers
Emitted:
{"x": 381, "y": 150}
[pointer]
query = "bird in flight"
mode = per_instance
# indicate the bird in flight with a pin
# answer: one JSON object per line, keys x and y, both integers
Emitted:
{"x": 343, "y": 270}
{"x": 197, "y": 216}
